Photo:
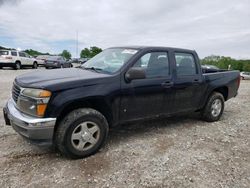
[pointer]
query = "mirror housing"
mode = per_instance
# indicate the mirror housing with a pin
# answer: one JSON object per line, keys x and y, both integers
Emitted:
{"x": 135, "y": 73}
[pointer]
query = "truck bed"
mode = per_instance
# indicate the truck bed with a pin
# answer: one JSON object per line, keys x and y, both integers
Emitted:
{"x": 225, "y": 78}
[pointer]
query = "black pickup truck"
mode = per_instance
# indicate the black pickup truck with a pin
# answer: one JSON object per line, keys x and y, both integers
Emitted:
{"x": 75, "y": 108}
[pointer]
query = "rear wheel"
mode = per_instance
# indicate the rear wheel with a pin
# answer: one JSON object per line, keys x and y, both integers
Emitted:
{"x": 18, "y": 65}
{"x": 81, "y": 133}
{"x": 35, "y": 65}
{"x": 213, "y": 108}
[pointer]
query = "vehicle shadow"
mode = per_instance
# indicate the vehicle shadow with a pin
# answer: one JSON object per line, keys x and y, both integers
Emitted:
{"x": 126, "y": 131}
{"x": 122, "y": 134}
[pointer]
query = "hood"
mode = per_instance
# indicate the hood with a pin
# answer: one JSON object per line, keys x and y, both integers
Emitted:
{"x": 59, "y": 79}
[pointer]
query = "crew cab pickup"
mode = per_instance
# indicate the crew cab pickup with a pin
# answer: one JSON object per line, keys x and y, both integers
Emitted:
{"x": 75, "y": 108}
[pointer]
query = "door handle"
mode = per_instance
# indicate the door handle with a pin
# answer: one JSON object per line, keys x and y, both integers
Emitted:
{"x": 167, "y": 84}
{"x": 196, "y": 81}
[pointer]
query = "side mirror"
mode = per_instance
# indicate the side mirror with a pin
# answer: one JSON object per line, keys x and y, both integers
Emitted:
{"x": 135, "y": 73}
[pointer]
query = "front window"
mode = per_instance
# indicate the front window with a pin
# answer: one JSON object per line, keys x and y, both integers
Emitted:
{"x": 155, "y": 64}
{"x": 21, "y": 54}
{"x": 110, "y": 60}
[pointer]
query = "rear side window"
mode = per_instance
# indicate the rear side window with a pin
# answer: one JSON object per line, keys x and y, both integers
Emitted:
{"x": 4, "y": 52}
{"x": 185, "y": 64}
{"x": 14, "y": 53}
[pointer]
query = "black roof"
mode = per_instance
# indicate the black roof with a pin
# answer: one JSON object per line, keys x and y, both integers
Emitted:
{"x": 154, "y": 47}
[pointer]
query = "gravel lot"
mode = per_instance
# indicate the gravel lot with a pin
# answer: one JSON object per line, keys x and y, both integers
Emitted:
{"x": 176, "y": 152}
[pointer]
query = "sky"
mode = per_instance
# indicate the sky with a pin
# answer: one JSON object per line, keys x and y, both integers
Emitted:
{"x": 220, "y": 27}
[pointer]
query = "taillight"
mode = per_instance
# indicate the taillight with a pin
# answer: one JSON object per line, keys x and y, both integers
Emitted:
{"x": 238, "y": 81}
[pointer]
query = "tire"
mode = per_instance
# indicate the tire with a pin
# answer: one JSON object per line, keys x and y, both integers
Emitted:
{"x": 214, "y": 107}
{"x": 35, "y": 65}
{"x": 18, "y": 66}
{"x": 72, "y": 138}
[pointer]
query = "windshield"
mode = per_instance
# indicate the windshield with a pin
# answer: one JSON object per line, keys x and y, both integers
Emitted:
{"x": 109, "y": 60}
{"x": 4, "y": 52}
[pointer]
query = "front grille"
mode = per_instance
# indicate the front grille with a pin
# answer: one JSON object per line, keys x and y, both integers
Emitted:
{"x": 15, "y": 92}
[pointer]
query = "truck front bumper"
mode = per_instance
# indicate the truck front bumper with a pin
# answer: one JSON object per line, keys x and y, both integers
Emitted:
{"x": 36, "y": 129}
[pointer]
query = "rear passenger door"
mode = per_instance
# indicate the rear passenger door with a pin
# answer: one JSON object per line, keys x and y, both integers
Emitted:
{"x": 187, "y": 82}
{"x": 14, "y": 56}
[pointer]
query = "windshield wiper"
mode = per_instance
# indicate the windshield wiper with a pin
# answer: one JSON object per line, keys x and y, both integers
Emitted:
{"x": 92, "y": 68}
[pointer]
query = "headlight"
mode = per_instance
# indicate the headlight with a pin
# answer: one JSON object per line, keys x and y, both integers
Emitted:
{"x": 37, "y": 93}
{"x": 33, "y": 101}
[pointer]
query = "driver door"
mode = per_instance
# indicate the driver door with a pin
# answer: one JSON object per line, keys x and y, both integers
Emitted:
{"x": 144, "y": 98}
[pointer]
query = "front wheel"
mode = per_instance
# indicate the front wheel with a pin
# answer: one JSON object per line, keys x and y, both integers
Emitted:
{"x": 213, "y": 108}
{"x": 18, "y": 66}
{"x": 81, "y": 133}
{"x": 35, "y": 65}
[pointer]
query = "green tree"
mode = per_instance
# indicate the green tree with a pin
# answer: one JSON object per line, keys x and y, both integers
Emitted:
{"x": 85, "y": 53}
{"x": 66, "y": 54}
{"x": 95, "y": 50}
{"x": 35, "y": 53}
{"x": 246, "y": 66}
{"x": 90, "y": 52}
{"x": 224, "y": 62}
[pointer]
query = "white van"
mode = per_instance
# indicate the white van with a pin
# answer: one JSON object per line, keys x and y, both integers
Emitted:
{"x": 16, "y": 59}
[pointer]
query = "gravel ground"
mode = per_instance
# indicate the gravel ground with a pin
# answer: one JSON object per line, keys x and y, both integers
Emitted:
{"x": 176, "y": 152}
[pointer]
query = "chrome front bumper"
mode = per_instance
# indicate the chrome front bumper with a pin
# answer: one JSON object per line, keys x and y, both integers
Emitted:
{"x": 30, "y": 127}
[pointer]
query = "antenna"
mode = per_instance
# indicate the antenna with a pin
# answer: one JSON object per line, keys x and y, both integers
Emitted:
{"x": 76, "y": 43}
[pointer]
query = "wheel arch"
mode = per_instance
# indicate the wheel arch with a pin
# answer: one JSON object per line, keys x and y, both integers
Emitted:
{"x": 223, "y": 90}
{"x": 18, "y": 61}
{"x": 98, "y": 104}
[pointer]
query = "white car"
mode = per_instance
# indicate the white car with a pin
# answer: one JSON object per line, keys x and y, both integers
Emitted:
{"x": 245, "y": 75}
{"x": 16, "y": 59}
{"x": 41, "y": 59}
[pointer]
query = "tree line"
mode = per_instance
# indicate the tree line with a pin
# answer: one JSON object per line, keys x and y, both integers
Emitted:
{"x": 220, "y": 61}
{"x": 85, "y": 53}
{"x": 227, "y": 63}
